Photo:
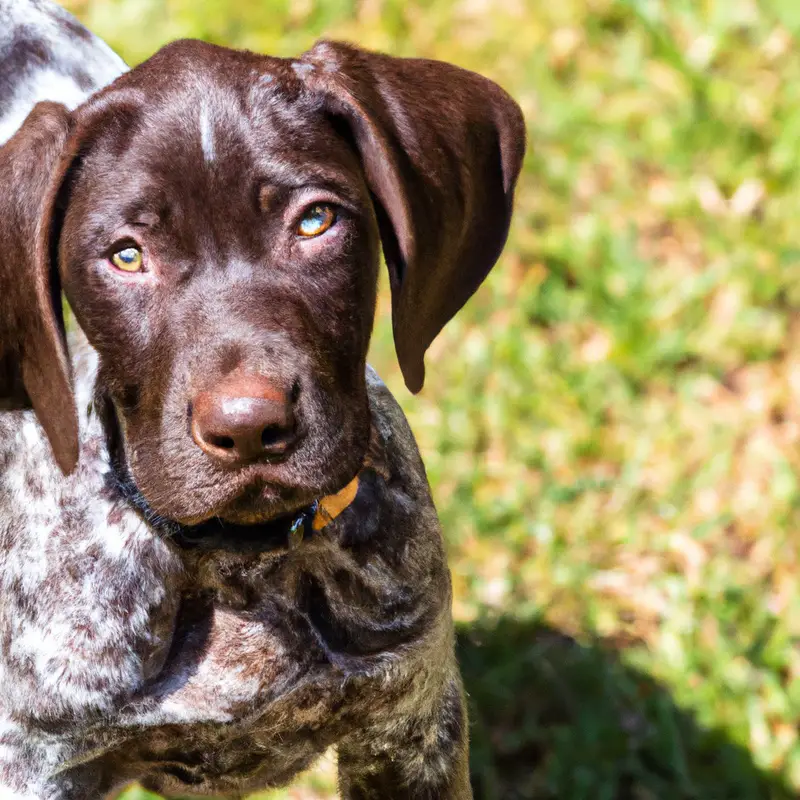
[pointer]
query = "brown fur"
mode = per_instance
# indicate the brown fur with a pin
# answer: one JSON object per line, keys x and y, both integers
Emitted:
{"x": 206, "y": 157}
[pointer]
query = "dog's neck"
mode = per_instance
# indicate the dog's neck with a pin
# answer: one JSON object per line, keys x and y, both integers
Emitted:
{"x": 284, "y": 532}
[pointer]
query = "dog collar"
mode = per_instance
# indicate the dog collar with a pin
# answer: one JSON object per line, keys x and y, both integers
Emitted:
{"x": 328, "y": 508}
{"x": 322, "y": 512}
{"x": 325, "y": 510}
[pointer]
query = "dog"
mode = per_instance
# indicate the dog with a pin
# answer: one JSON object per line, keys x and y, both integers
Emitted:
{"x": 219, "y": 555}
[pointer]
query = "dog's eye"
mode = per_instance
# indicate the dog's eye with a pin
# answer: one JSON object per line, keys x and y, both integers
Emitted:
{"x": 316, "y": 221}
{"x": 129, "y": 259}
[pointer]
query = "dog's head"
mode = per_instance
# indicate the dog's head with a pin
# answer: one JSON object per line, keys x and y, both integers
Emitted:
{"x": 215, "y": 219}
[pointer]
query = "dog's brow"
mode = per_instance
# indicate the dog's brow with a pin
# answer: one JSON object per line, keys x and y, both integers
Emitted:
{"x": 297, "y": 177}
{"x": 145, "y": 219}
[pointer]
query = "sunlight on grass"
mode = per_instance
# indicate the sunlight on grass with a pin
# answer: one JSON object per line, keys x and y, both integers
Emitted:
{"x": 611, "y": 427}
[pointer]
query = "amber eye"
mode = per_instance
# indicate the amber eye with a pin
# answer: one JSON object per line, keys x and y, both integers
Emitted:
{"x": 129, "y": 259}
{"x": 316, "y": 221}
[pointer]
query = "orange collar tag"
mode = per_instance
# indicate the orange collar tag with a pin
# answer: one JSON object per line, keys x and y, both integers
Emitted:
{"x": 328, "y": 508}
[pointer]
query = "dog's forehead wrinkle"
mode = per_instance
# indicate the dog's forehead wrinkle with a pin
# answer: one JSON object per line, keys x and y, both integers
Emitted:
{"x": 144, "y": 217}
{"x": 230, "y": 140}
{"x": 235, "y": 126}
{"x": 292, "y": 171}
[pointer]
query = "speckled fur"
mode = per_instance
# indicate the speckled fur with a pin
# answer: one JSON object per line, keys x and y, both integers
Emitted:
{"x": 45, "y": 54}
{"x": 124, "y": 656}
{"x": 345, "y": 639}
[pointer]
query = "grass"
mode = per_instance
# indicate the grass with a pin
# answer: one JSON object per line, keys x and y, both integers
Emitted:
{"x": 611, "y": 426}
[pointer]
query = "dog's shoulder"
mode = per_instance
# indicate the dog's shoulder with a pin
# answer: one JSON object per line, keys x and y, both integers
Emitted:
{"x": 399, "y": 444}
{"x": 46, "y": 54}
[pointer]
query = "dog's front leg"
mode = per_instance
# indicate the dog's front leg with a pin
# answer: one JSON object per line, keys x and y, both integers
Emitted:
{"x": 385, "y": 779}
{"x": 417, "y": 758}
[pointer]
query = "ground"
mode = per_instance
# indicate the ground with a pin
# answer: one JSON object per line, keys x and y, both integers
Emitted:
{"x": 611, "y": 426}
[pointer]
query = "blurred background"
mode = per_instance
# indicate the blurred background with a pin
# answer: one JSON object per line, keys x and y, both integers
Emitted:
{"x": 611, "y": 426}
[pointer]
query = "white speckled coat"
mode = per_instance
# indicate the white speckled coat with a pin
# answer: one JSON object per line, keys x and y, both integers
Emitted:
{"x": 45, "y": 54}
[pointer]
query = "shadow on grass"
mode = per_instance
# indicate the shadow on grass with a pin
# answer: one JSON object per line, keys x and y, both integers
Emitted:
{"x": 551, "y": 718}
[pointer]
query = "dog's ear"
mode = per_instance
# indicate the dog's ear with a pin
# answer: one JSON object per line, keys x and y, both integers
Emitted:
{"x": 34, "y": 368}
{"x": 441, "y": 148}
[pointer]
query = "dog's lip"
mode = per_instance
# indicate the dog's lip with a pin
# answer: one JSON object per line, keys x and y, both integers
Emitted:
{"x": 255, "y": 502}
{"x": 255, "y": 496}
{"x": 241, "y": 519}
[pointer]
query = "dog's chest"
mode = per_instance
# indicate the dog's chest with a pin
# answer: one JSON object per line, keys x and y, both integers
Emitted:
{"x": 256, "y": 689}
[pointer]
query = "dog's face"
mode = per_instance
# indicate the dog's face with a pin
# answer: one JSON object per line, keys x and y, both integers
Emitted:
{"x": 215, "y": 219}
{"x": 255, "y": 251}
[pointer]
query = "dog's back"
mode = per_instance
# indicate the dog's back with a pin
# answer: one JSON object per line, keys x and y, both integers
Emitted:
{"x": 46, "y": 54}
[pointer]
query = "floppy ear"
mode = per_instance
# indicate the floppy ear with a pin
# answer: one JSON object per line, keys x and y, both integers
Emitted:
{"x": 442, "y": 148}
{"x": 34, "y": 368}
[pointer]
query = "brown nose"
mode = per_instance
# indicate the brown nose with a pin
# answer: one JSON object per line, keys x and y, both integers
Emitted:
{"x": 242, "y": 419}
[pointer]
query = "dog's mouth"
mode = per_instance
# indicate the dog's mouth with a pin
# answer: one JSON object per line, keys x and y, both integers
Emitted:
{"x": 257, "y": 518}
{"x": 249, "y": 526}
{"x": 219, "y": 533}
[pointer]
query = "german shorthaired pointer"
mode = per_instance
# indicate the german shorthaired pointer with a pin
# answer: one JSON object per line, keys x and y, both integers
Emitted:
{"x": 218, "y": 551}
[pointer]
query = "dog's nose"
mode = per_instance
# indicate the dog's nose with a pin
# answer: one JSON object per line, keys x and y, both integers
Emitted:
{"x": 242, "y": 419}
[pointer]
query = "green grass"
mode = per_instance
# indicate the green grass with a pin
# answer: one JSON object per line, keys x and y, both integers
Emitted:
{"x": 611, "y": 426}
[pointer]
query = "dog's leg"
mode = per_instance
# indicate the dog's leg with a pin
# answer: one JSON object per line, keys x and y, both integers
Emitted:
{"x": 411, "y": 759}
